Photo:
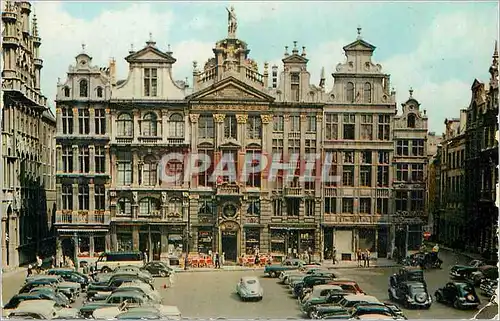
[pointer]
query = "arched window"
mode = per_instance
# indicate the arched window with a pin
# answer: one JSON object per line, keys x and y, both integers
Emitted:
{"x": 411, "y": 121}
{"x": 149, "y": 171}
{"x": 149, "y": 125}
{"x": 66, "y": 91}
{"x": 176, "y": 124}
{"x": 124, "y": 207}
{"x": 175, "y": 206}
{"x": 148, "y": 205}
{"x": 350, "y": 92}
{"x": 367, "y": 93}
{"x": 99, "y": 92}
{"x": 84, "y": 88}
{"x": 125, "y": 126}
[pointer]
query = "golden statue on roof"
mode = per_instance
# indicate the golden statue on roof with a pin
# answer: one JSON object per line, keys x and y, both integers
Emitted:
{"x": 232, "y": 22}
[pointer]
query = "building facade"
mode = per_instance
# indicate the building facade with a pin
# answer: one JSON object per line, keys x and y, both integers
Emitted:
{"x": 410, "y": 173}
{"x": 28, "y": 151}
{"x": 481, "y": 163}
{"x": 225, "y": 164}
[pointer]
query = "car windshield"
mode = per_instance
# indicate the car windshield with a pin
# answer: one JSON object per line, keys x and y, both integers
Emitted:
{"x": 417, "y": 288}
{"x": 415, "y": 276}
{"x": 466, "y": 289}
{"x": 251, "y": 281}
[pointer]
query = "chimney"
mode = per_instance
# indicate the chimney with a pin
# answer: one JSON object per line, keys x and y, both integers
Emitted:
{"x": 112, "y": 71}
{"x": 275, "y": 76}
{"x": 463, "y": 118}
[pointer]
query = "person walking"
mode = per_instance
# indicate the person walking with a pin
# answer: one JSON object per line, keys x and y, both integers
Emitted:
{"x": 367, "y": 257}
{"x": 217, "y": 260}
{"x": 257, "y": 259}
{"x": 334, "y": 255}
{"x": 363, "y": 257}
{"x": 30, "y": 270}
{"x": 53, "y": 261}
{"x": 39, "y": 263}
{"x": 359, "y": 256}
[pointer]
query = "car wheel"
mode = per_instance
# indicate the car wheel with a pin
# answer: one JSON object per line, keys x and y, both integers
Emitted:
{"x": 163, "y": 274}
{"x": 259, "y": 299}
{"x": 105, "y": 269}
{"x": 272, "y": 274}
{"x": 456, "y": 304}
{"x": 439, "y": 298}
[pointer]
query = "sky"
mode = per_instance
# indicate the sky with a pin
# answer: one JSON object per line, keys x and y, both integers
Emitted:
{"x": 437, "y": 48}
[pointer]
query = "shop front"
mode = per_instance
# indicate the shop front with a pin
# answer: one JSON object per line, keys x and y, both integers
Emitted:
{"x": 252, "y": 240}
{"x": 229, "y": 240}
{"x": 205, "y": 239}
{"x": 292, "y": 242}
{"x": 88, "y": 244}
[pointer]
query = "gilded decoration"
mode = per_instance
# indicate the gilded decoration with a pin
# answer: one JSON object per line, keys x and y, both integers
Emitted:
{"x": 194, "y": 117}
{"x": 286, "y": 117}
{"x": 231, "y": 107}
{"x": 58, "y": 110}
{"x": 219, "y": 118}
{"x": 303, "y": 117}
{"x": 319, "y": 117}
{"x": 266, "y": 119}
{"x": 242, "y": 119}
{"x": 229, "y": 226}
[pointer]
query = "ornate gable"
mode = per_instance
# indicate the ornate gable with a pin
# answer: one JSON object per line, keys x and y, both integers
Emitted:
{"x": 359, "y": 45}
{"x": 295, "y": 59}
{"x": 150, "y": 54}
{"x": 231, "y": 89}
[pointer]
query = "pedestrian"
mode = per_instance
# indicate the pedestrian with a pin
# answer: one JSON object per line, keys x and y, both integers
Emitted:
{"x": 145, "y": 256}
{"x": 257, "y": 260}
{"x": 217, "y": 260}
{"x": 222, "y": 259}
{"x": 368, "y": 257}
{"x": 359, "y": 256}
{"x": 363, "y": 257}
{"x": 334, "y": 255}
{"x": 30, "y": 270}
{"x": 39, "y": 263}
{"x": 53, "y": 261}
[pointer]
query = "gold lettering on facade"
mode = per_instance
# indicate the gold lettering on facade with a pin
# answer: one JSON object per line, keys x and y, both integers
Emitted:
{"x": 194, "y": 117}
{"x": 266, "y": 119}
{"x": 242, "y": 119}
{"x": 219, "y": 118}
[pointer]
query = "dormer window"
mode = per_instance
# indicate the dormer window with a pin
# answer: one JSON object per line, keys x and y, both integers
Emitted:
{"x": 350, "y": 92}
{"x": 84, "y": 88}
{"x": 150, "y": 82}
{"x": 411, "y": 121}
{"x": 99, "y": 92}
{"x": 66, "y": 91}
{"x": 295, "y": 86}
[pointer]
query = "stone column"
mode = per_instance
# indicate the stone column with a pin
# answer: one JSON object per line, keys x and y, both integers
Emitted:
{"x": 111, "y": 124}
{"x": 219, "y": 128}
{"x": 242, "y": 121}
{"x": 59, "y": 122}
{"x": 58, "y": 198}
{"x": 319, "y": 151}
{"x": 91, "y": 245}
{"x": 76, "y": 125}
{"x": 92, "y": 121}
{"x": 135, "y": 237}
{"x": 92, "y": 159}
{"x": 13, "y": 241}
{"x": 135, "y": 168}
{"x": 91, "y": 196}
{"x": 76, "y": 160}
{"x": 137, "y": 125}
{"x": 164, "y": 243}
{"x": 266, "y": 149}
{"x": 164, "y": 126}
{"x": 193, "y": 177}
{"x": 111, "y": 165}
{"x": 107, "y": 161}
{"x": 59, "y": 160}
{"x": 4, "y": 243}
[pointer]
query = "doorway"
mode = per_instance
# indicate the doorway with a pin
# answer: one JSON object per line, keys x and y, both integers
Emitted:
{"x": 382, "y": 242}
{"x": 230, "y": 246}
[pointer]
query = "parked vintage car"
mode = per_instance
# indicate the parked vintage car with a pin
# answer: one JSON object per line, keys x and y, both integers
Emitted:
{"x": 300, "y": 272}
{"x": 489, "y": 272}
{"x": 18, "y": 298}
{"x": 410, "y": 294}
{"x": 42, "y": 309}
{"x": 112, "y": 284}
{"x": 319, "y": 295}
{"x": 125, "y": 312}
{"x": 347, "y": 285}
{"x": 144, "y": 288}
{"x": 70, "y": 289}
{"x": 273, "y": 270}
{"x": 329, "y": 311}
{"x": 141, "y": 274}
{"x": 133, "y": 298}
{"x": 301, "y": 288}
{"x": 489, "y": 287}
{"x": 460, "y": 294}
{"x": 373, "y": 311}
{"x": 350, "y": 301}
{"x": 249, "y": 288}
{"x": 158, "y": 268}
{"x": 64, "y": 301}
{"x": 460, "y": 272}
{"x": 71, "y": 275}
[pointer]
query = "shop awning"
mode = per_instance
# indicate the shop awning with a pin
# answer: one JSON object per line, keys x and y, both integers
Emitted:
{"x": 292, "y": 227}
{"x": 175, "y": 238}
{"x": 70, "y": 230}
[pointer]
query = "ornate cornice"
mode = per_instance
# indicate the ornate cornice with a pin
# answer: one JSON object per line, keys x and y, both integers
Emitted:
{"x": 266, "y": 119}
{"x": 242, "y": 119}
{"x": 303, "y": 117}
{"x": 194, "y": 117}
{"x": 219, "y": 118}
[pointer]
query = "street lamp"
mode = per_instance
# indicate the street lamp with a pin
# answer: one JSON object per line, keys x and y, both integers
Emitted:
{"x": 75, "y": 241}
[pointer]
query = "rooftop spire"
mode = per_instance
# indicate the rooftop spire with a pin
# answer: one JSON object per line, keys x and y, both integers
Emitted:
{"x": 131, "y": 51}
{"x": 151, "y": 42}
{"x": 295, "y": 50}
{"x": 83, "y": 48}
{"x": 494, "y": 67}
{"x": 411, "y": 92}
{"x": 169, "y": 51}
{"x": 35, "y": 26}
{"x": 359, "y": 32}
{"x": 322, "y": 78}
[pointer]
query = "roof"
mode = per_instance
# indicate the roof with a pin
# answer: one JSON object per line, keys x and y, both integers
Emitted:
{"x": 130, "y": 293}
{"x": 326, "y": 286}
{"x": 35, "y": 306}
{"x": 361, "y": 297}
{"x": 248, "y": 278}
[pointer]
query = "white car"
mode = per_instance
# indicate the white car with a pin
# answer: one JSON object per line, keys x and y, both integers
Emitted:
{"x": 249, "y": 288}
{"x": 146, "y": 289}
{"x": 124, "y": 311}
{"x": 41, "y": 309}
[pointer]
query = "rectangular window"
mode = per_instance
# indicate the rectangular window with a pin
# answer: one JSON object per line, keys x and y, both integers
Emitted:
{"x": 417, "y": 148}
{"x": 401, "y": 200}
{"x": 292, "y": 207}
{"x": 383, "y": 176}
{"x": 295, "y": 86}
{"x": 309, "y": 205}
{"x": 349, "y": 126}
{"x": 382, "y": 206}
{"x": 384, "y": 127}
{"x": 330, "y": 205}
{"x": 278, "y": 124}
{"x": 67, "y": 120}
{"x": 402, "y": 173}
{"x": 67, "y": 159}
{"x": 230, "y": 127}
{"x": 348, "y": 175}
{"x": 365, "y": 176}
{"x": 402, "y": 148}
{"x": 294, "y": 124}
{"x": 331, "y": 126}
{"x": 231, "y": 159}
{"x": 348, "y": 205}
{"x": 311, "y": 124}
{"x": 366, "y": 127}
{"x": 253, "y": 207}
{"x": 67, "y": 197}
{"x": 417, "y": 172}
{"x": 348, "y": 157}
{"x": 333, "y": 170}
{"x": 150, "y": 82}
{"x": 417, "y": 200}
{"x": 83, "y": 121}
{"x": 100, "y": 159}
{"x": 252, "y": 170}
{"x": 277, "y": 207}
{"x": 100, "y": 197}
{"x": 84, "y": 160}
{"x": 100, "y": 121}
{"x": 124, "y": 167}
{"x": 206, "y": 127}
{"x": 366, "y": 157}
{"x": 254, "y": 127}
{"x": 205, "y": 178}
{"x": 365, "y": 205}
{"x": 83, "y": 197}
{"x": 278, "y": 150}
{"x": 310, "y": 149}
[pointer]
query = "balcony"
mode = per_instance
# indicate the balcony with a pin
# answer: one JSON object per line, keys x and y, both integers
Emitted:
{"x": 150, "y": 139}
{"x": 294, "y": 192}
{"x": 294, "y": 135}
{"x": 176, "y": 141}
{"x": 82, "y": 217}
{"x": 383, "y": 193}
{"x": 123, "y": 140}
{"x": 330, "y": 191}
{"x": 351, "y": 219}
{"x": 228, "y": 190}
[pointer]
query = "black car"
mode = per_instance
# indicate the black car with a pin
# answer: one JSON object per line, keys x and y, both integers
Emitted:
{"x": 308, "y": 283}
{"x": 71, "y": 275}
{"x": 410, "y": 294}
{"x": 111, "y": 285}
{"x": 329, "y": 311}
{"x": 461, "y": 272}
{"x": 485, "y": 272}
{"x": 158, "y": 268}
{"x": 18, "y": 298}
{"x": 460, "y": 294}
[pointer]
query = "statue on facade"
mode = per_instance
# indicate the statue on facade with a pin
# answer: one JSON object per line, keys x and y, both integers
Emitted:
{"x": 135, "y": 197}
{"x": 232, "y": 23}
{"x": 164, "y": 197}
